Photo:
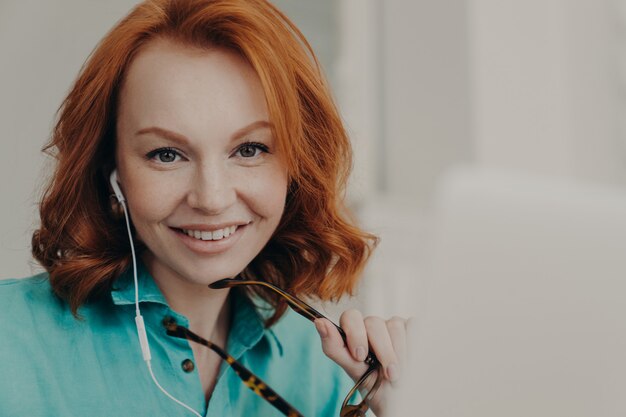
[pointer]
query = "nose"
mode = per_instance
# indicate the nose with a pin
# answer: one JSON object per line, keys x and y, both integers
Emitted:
{"x": 212, "y": 190}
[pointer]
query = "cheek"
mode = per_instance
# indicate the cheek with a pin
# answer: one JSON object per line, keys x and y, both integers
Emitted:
{"x": 270, "y": 192}
{"x": 150, "y": 200}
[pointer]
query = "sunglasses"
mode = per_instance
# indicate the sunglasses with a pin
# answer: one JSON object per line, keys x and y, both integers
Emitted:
{"x": 367, "y": 385}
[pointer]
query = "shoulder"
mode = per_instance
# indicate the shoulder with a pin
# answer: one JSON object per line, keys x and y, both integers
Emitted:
{"x": 17, "y": 285}
{"x": 302, "y": 353}
{"x": 28, "y": 318}
{"x": 18, "y": 296}
{"x": 295, "y": 332}
{"x": 30, "y": 310}
{"x": 298, "y": 338}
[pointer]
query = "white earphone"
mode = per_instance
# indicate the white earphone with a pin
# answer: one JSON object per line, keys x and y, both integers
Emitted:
{"x": 141, "y": 327}
{"x": 115, "y": 184}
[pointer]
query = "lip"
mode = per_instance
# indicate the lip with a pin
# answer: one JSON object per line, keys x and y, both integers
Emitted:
{"x": 209, "y": 247}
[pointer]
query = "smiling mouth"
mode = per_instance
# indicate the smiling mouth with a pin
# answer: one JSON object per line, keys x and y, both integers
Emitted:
{"x": 210, "y": 235}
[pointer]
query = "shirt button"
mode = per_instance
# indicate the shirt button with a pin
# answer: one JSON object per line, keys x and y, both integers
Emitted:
{"x": 188, "y": 365}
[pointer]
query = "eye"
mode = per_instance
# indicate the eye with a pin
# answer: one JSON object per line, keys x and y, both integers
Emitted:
{"x": 164, "y": 155}
{"x": 251, "y": 149}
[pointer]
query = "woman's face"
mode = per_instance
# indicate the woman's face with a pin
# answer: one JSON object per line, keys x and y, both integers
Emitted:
{"x": 197, "y": 161}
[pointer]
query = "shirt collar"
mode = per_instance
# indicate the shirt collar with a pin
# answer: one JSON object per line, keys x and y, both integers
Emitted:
{"x": 123, "y": 292}
{"x": 247, "y": 323}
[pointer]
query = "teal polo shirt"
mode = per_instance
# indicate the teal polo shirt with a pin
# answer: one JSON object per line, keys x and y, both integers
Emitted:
{"x": 52, "y": 364}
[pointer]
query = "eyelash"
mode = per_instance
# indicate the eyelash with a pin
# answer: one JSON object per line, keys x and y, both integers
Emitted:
{"x": 155, "y": 153}
{"x": 263, "y": 148}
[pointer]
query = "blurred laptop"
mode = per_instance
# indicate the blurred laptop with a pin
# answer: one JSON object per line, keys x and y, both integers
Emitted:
{"x": 526, "y": 302}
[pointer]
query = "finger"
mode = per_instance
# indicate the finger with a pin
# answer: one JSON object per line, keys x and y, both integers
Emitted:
{"x": 351, "y": 321}
{"x": 396, "y": 327}
{"x": 335, "y": 349}
{"x": 380, "y": 342}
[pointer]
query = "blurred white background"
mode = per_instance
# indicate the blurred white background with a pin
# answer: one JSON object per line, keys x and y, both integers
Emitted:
{"x": 425, "y": 86}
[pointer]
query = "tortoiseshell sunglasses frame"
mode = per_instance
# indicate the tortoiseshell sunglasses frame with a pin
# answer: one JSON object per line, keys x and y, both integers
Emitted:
{"x": 253, "y": 382}
{"x": 261, "y": 388}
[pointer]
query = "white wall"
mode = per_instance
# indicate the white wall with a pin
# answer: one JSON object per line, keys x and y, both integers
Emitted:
{"x": 531, "y": 86}
{"x": 545, "y": 93}
{"x": 426, "y": 93}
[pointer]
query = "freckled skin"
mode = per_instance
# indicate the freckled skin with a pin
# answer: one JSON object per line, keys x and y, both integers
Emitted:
{"x": 205, "y": 97}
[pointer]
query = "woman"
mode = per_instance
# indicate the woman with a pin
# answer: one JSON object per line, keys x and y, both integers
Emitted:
{"x": 228, "y": 157}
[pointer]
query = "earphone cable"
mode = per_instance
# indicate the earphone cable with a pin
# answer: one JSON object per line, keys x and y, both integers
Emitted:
{"x": 167, "y": 393}
{"x": 132, "y": 251}
{"x": 141, "y": 329}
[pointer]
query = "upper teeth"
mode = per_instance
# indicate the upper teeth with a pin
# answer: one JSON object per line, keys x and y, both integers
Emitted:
{"x": 214, "y": 235}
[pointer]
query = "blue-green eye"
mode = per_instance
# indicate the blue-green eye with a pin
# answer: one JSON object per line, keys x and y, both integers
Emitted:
{"x": 251, "y": 149}
{"x": 164, "y": 155}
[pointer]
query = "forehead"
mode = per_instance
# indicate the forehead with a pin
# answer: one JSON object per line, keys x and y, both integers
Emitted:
{"x": 190, "y": 89}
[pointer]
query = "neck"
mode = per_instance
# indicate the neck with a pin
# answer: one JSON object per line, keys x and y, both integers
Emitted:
{"x": 208, "y": 310}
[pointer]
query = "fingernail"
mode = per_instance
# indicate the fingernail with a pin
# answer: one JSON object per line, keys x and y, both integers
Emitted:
{"x": 392, "y": 372}
{"x": 321, "y": 328}
{"x": 360, "y": 353}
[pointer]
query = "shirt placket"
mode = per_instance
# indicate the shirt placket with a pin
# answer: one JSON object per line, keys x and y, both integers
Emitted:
{"x": 175, "y": 362}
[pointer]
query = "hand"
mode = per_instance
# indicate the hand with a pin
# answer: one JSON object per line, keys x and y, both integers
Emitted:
{"x": 387, "y": 338}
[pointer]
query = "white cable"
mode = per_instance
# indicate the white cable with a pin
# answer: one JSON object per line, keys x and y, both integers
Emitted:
{"x": 168, "y": 394}
{"x": 132, "y": 251}
{"x": 141, "y": 328}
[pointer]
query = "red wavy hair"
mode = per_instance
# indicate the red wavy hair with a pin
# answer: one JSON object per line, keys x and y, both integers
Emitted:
{"x": 317, "y": 250}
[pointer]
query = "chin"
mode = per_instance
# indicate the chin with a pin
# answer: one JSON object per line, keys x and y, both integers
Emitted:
{"x": 208, "y": 275}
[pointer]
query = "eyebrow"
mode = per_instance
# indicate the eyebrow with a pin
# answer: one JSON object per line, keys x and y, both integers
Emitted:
{"x": 176, "y": 137}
